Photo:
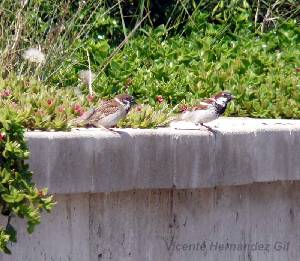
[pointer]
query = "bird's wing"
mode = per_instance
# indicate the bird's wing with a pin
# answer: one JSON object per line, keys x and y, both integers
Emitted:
{"x": 81, "y": 120}
{"x": 208, "y": 101}
{"x": 198, "y": 107}
{"x": 104, "y": 110}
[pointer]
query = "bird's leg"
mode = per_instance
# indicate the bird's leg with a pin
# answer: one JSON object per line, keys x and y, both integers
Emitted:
{"x": 114, "y": 131}
{"x": 208, "y": 128}
{"x": 104, "y": 128}
{"x": 97, "y": 125}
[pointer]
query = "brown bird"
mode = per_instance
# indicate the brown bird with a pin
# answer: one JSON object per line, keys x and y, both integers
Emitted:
{"x": 108, "y": 114}
{"x": 207, "y": 110}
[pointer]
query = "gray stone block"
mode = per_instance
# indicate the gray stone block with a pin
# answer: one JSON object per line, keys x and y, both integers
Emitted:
{"x": 242, "y": 151}
{"x": 250, "y": 222}
{"x": 168, "y": 195}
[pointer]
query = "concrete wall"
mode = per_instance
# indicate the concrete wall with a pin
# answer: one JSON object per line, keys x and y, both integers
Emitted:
{"x": 166, "y": 194}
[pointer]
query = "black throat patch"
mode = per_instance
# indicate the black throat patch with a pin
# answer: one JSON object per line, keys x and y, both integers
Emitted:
{"x": 220, "y": 109}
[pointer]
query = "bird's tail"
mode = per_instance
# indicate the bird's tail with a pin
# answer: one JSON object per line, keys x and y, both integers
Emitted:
{"x": 82, "y": 120}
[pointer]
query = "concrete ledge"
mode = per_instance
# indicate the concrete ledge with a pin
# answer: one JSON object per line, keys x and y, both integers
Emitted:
{"x": 243, "y": 151}
{"x": 208, "y": 209}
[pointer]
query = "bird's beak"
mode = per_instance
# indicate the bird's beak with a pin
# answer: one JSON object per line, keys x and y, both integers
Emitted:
{"x": 232, "y": 97}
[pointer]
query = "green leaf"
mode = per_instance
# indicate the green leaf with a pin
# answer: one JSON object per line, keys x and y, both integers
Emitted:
{"x": 12, "y": 233}
{"x": 12, "y": 198}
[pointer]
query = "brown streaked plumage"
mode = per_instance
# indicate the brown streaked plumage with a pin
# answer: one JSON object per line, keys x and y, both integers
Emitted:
{"x": 208, "y": 109}
{"x": 208, "y": 100}
{"x": 108, "y": 113}
{"x": 195, "y": 108}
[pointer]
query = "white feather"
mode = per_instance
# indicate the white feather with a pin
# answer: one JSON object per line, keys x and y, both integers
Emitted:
{"x": 200, "y": 116}
{"x": 112, "y": 119}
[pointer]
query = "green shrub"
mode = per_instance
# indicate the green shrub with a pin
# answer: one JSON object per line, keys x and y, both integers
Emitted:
{"x": 18, "y": 194}
{"x": 259, "y": 69}
{"x": 39, "y": 106}
{"x": 146, "y": 116}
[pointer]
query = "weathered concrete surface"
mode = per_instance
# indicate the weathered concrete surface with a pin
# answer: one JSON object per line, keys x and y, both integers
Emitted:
{"x": 242, "y": 151}
{"x": 168, "y": 195}
{"x": 170, "y": 225}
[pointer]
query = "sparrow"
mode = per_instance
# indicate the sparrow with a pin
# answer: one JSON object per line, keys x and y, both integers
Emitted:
{"x": 108, "y": 114}
{"x": 208, "y": 110}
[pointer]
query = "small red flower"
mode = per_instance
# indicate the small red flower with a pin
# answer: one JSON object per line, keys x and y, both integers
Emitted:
{"x": 2, "y": 136}
{"x": 90, "y": 98}
{"x": 41, "y": 193}
{"x": 50, "y": 102}
{"x": 14, "y": 104}
{"x": 61, "y": 109}
{"x": 6, "y": 93}
{"x": 40, "y": 112}
{"x": 183, "y": 107}
{"x": 128, "y": 82}
{"x": 138, "y": 108}
{"x": 159, "y": 99}
{"x": 78, "y": 109}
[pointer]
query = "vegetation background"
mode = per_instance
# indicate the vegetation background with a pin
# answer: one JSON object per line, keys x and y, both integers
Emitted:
{"x": 163, "y": 52}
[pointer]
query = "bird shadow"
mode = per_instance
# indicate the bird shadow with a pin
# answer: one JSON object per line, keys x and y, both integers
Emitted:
{"x": 211, "y": 130}
{"x": 97, "y": 129}
{"x": 205, "y": 128}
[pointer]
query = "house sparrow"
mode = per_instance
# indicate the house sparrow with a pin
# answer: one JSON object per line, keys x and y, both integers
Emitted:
{"x": 108, "y": 113}
{"x": 208, "y": 109}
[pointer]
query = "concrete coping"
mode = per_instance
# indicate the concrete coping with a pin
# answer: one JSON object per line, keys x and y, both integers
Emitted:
{"x": 242, "y": 151}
